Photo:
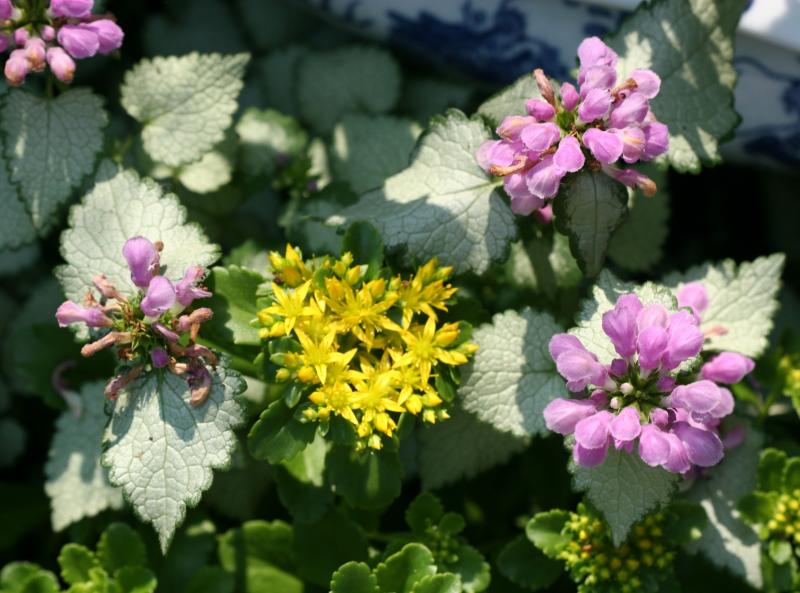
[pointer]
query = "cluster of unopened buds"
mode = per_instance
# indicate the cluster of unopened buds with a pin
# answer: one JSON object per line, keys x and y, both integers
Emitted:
{"x": 595, "y": 126}
{"x": 39, "y": 36}
{"x": 648, "y": 395}
{"x": 155, "y": 328}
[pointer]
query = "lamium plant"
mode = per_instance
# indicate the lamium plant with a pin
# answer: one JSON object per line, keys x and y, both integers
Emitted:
{"x": 284, "y": 310}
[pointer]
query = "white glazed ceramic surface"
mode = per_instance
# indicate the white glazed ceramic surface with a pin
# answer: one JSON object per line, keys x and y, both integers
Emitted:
{"x": 499, "y": 40}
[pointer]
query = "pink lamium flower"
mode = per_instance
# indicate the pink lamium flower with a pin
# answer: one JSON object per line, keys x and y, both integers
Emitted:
{"x": 603, "y": 122}
{"x": 651, "y": 401}
{"x": 54, "y": 36}
{"x": 154, "y": 329}
{"x": 71, "y": 8}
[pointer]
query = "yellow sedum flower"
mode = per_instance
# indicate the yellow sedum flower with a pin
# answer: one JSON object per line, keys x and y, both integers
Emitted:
{"x": 365, "y": 349}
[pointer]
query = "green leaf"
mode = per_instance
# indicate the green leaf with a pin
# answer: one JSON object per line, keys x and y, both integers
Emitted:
{"x": 76, "y": 561}
{"x": 425, "y": 510}
{"x": 771, "y": 467}
{"x": 234, "y": 304}
{"x": 158, "y": 445}
{"x": 473, "y": 571}
{"x": 16, "y": 228}
{"x": 686, "y": 522}
{"x": 778, "y": 577}
{"x": 278, "y": 75}
{"x": 758, "y": 507}
{"x": 366, "y": 245}
{"x": 525, "y": 565}
{"x": 637, "y": 244}
{"x": 624, "y": 489}
{"x": 543, "y": 263}
{"x": 346, "y": 80}
{"x": 260, "y": 542}
{"x": 14, "y": 260}
{"x": 424, "y": 98}
{"x": 462, "y": 447}
{"x": 791, "y": 475}
{"x": 278, "y": 434}
{"x": 741, "y": 301}
{"x": 606, "y": 291}
{"x": 76, "y": 483}
{"x": 513, "y": 377}
{"x": 443, "y": 204}
{"x": 211, "y": 579}
{"x": 272, "y": 24}
{"x": 24, "y": 577}
{"x": 511, "y": 100}
{"x": 367, "y": 479}
{"x": 728, "y": 541}
{"x": 322, "y": 547}
{"x": 185, "y": 104}
{"x": 589, "y": 207}
{"x": 121, "y": 206}
{"x": 354, "y": 577}
{"x": 544, "y": 531}
{"x": 439, "y": 583}
{"x": 51, "y": 146}
{"x": 12, "y": 441}
{"x": 120, "y": 547}
{"x": 265, "y": 137}
{"x": 301, "y": 483}
{"x": 403, "y": 570}
{"x": 780, "y": 552}
{"x": 135, "y": 579}
{"x": 694, "y": 61}
{"x": 368, "y": 149}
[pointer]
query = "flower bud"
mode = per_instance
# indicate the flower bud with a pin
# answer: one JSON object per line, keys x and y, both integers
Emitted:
{"x": 79, "y": 41}
{"x": 6, "y": 9}
{"x": 595, "y": 105}
{"x": 648, "y": 82}
{"x": 703, "y": 447}
{"x": 5, "y": 42}
{"x": 36, "y": 53}
{"x": 540, "y": 137}
{"x": 143, "y": 260}
{"x": 656, "y": 139}
{"x": 545, "y": 88}
{"x": 109, "y": 34}
{"x": 604, "y": 146}
{"x": 694, "y": 296}
{"x": 632, "y": 178}
{"x": 539, "y": 109}
{"x": 16, "y": 68}
{"x": 631, "y": 111}
{"x": 159, "y": 358}
{"x": 187, "y": 290}
{"x": 728, "y": 367}
{"x": 21, "y": 37}
{"x": 71, "y": 8}
{"x": 48, "y": 33}
{"x": 569, "y": 96}
{"x": 561, "y": 415}
{"x": 69, "y": 312}
{"x": 159, "y": 298}
{"x": 62, "y": 66}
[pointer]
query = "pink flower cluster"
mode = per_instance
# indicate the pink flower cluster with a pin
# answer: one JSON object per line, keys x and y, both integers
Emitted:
{"x": 67, "y": 30}
{"x": 600, "y": 123}
{"x": 643, "y": 397}
{"x": 154, "y": 328}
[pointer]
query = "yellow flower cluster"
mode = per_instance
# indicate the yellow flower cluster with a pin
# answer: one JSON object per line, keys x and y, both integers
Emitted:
{"x": 366, "y": 349}
{"x": 785, "y": 523}
{"x": 596, "y": 565}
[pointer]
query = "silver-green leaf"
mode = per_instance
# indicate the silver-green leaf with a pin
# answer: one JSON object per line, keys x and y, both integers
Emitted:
{"x": 513, "y": 377}
{"x": 123, "y": 205}
{"x": 161, "y": 450}
{"x": 689, "y": 44}
{"x": 624, "y": 489}
{"x": 443, "y": 204}
{"x": 51, "y": 145}
{"x": 184, "y": 103}
{"x": 742, "y": 300}
{"x": 76, "y": 482}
